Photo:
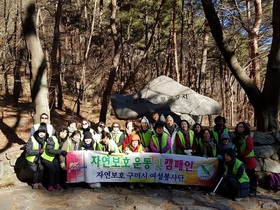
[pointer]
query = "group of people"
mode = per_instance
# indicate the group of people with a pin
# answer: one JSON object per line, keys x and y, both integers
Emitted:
{"x": 46, "y": 149}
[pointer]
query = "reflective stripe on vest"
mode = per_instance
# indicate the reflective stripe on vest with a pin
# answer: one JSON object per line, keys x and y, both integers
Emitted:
{"x": 48, "y": 156}
{"x": 163, "y": 141}
{"x": 237, "y": 164}
{"x": 243, "y": 147}
{"x": 35, "y": 146}
{"x": 183, "y": 142}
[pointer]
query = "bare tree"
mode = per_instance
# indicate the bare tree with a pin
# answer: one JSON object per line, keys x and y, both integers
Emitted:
{"x": 39, "y": 85}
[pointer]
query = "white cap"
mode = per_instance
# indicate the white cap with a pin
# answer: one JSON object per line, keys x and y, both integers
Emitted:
{"x": 144, "y": 119}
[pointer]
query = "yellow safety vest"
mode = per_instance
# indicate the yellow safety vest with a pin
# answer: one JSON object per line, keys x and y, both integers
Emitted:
{"x": 48, "y": 156}
{"x": 35, "y": 146}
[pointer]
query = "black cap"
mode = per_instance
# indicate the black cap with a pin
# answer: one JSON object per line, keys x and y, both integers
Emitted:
{"x": 42, "y": 127}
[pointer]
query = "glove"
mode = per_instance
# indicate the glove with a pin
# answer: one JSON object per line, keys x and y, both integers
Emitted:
{"x": 188, "y": 152}
{"x": 110, "y": 152}
{"x": 205, "y": 156}
{"x": 219, "y": 157}
{"x": 63, "y": 153}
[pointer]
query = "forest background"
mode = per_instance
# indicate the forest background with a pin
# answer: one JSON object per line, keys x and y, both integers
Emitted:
{"x": 95, "y": 47}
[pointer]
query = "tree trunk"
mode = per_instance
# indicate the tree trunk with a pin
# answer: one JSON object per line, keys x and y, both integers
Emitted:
{"x": 115, "y": 63}
{"x": 55, "y": 77}
{"x": 39, "y": 85}
{"x": 266, "y": 104}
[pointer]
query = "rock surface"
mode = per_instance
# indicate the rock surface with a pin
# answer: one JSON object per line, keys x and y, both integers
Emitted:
{"x": 163, "y": 94}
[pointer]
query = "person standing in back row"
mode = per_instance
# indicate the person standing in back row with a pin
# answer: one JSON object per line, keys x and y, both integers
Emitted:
{"x": 244, "y": 146}
{"x": 219, "y": 128}
{"x": 43, "y": 119}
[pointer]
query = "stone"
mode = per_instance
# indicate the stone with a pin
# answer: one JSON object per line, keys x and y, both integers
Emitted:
{"x": 264, "y": 151}
{"x": 261, "y": 138}
{"x": 271, "y": 166}
{"x": 270, "y": 205}
{"x": 163, "y": 94}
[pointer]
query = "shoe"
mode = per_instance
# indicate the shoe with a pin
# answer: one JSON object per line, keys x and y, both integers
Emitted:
{"x": 35, "y": 186}
{"x": 50, "y": 188}
{"x": 131, "y": 186}
{"x": 253, "y": 193}
{"x": 58, "y": 187}
{"x": 40, "y": 186}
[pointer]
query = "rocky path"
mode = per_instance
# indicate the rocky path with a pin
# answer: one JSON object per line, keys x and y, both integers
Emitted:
{"x": 21, "y": 196}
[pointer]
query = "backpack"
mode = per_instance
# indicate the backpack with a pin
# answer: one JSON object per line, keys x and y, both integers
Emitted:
{"x": 274, "y": 181}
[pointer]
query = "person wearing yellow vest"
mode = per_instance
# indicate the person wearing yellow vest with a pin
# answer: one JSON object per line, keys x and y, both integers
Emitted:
{"x": 116, "y": 134}
{"x": 219, "y": 128}
{"x": 145, "y": 133}
{"x": 34, "y": 149}
{"x": 186, "y": 143}
{"x": 88, "y": 142}
{"x": 107, "y": 144}
{"x": 237, "y": 183}
{"x": 245, "y": 152}
{"x": 160, "y": 141}
{"x": 134, "y": 146}
{"x": 207, "y": 145}
{"x": 50, "y": 158}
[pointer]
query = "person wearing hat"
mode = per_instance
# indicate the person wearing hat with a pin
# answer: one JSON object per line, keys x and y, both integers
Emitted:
{"x": 171, "y": 128}
{"x": 134, "y": 145}
{"x": 160, "y": 141}
{"x": 219, "y": 128}
{"x": 87, "y": 143}
{"x": 145, "y": 133}
{"x": 50, "y": 158}
{"x": 244, "y": 146}
{"x": 237, "y": 183}
{"x": 34, "y": 149}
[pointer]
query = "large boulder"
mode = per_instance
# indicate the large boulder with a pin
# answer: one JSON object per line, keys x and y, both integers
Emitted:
{"x": 163, "y": 94}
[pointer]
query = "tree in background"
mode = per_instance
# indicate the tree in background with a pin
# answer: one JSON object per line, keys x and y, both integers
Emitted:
{"x": 265, "y": 103}
{"x": 39, "y": 85}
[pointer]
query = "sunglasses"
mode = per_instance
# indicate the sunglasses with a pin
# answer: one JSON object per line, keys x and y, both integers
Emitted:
{"x": 84, "y": 123}
{"x": 44, "y": 118}
{"x": 115, "y": 126}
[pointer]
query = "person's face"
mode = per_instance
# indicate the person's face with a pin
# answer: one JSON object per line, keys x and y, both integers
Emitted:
{"x": 169, "y": 122}
{"x": 155, "y": 117}
{"x": 197, "y": 128}
{"x": 240, "y": 128}
{"x": 77, "y": 137}
{"x": 206, "y": 134}
{"x": 100, "y": 128}
{"x": 44, "y": 119}
{"x": 159, "y": 130}
{"x": 220, "y": 122}
{"x": 227, "y": 157}
{"x": 42, "y": 134}
{"x": 88, "y": 141}
{"x": 144, "y": 125}
{"x": 85, "y": 124}
{"x": 129, "y": 126}
{"x": 184, "y": 126}
{"x": 134, "y": 143}
{"x": 105, "y": 140}
{"x": 116, "y": 127}
{"x": 225, "y": 141}
{"x": 63, "y": 134}
{"x": 73, "y": 125}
